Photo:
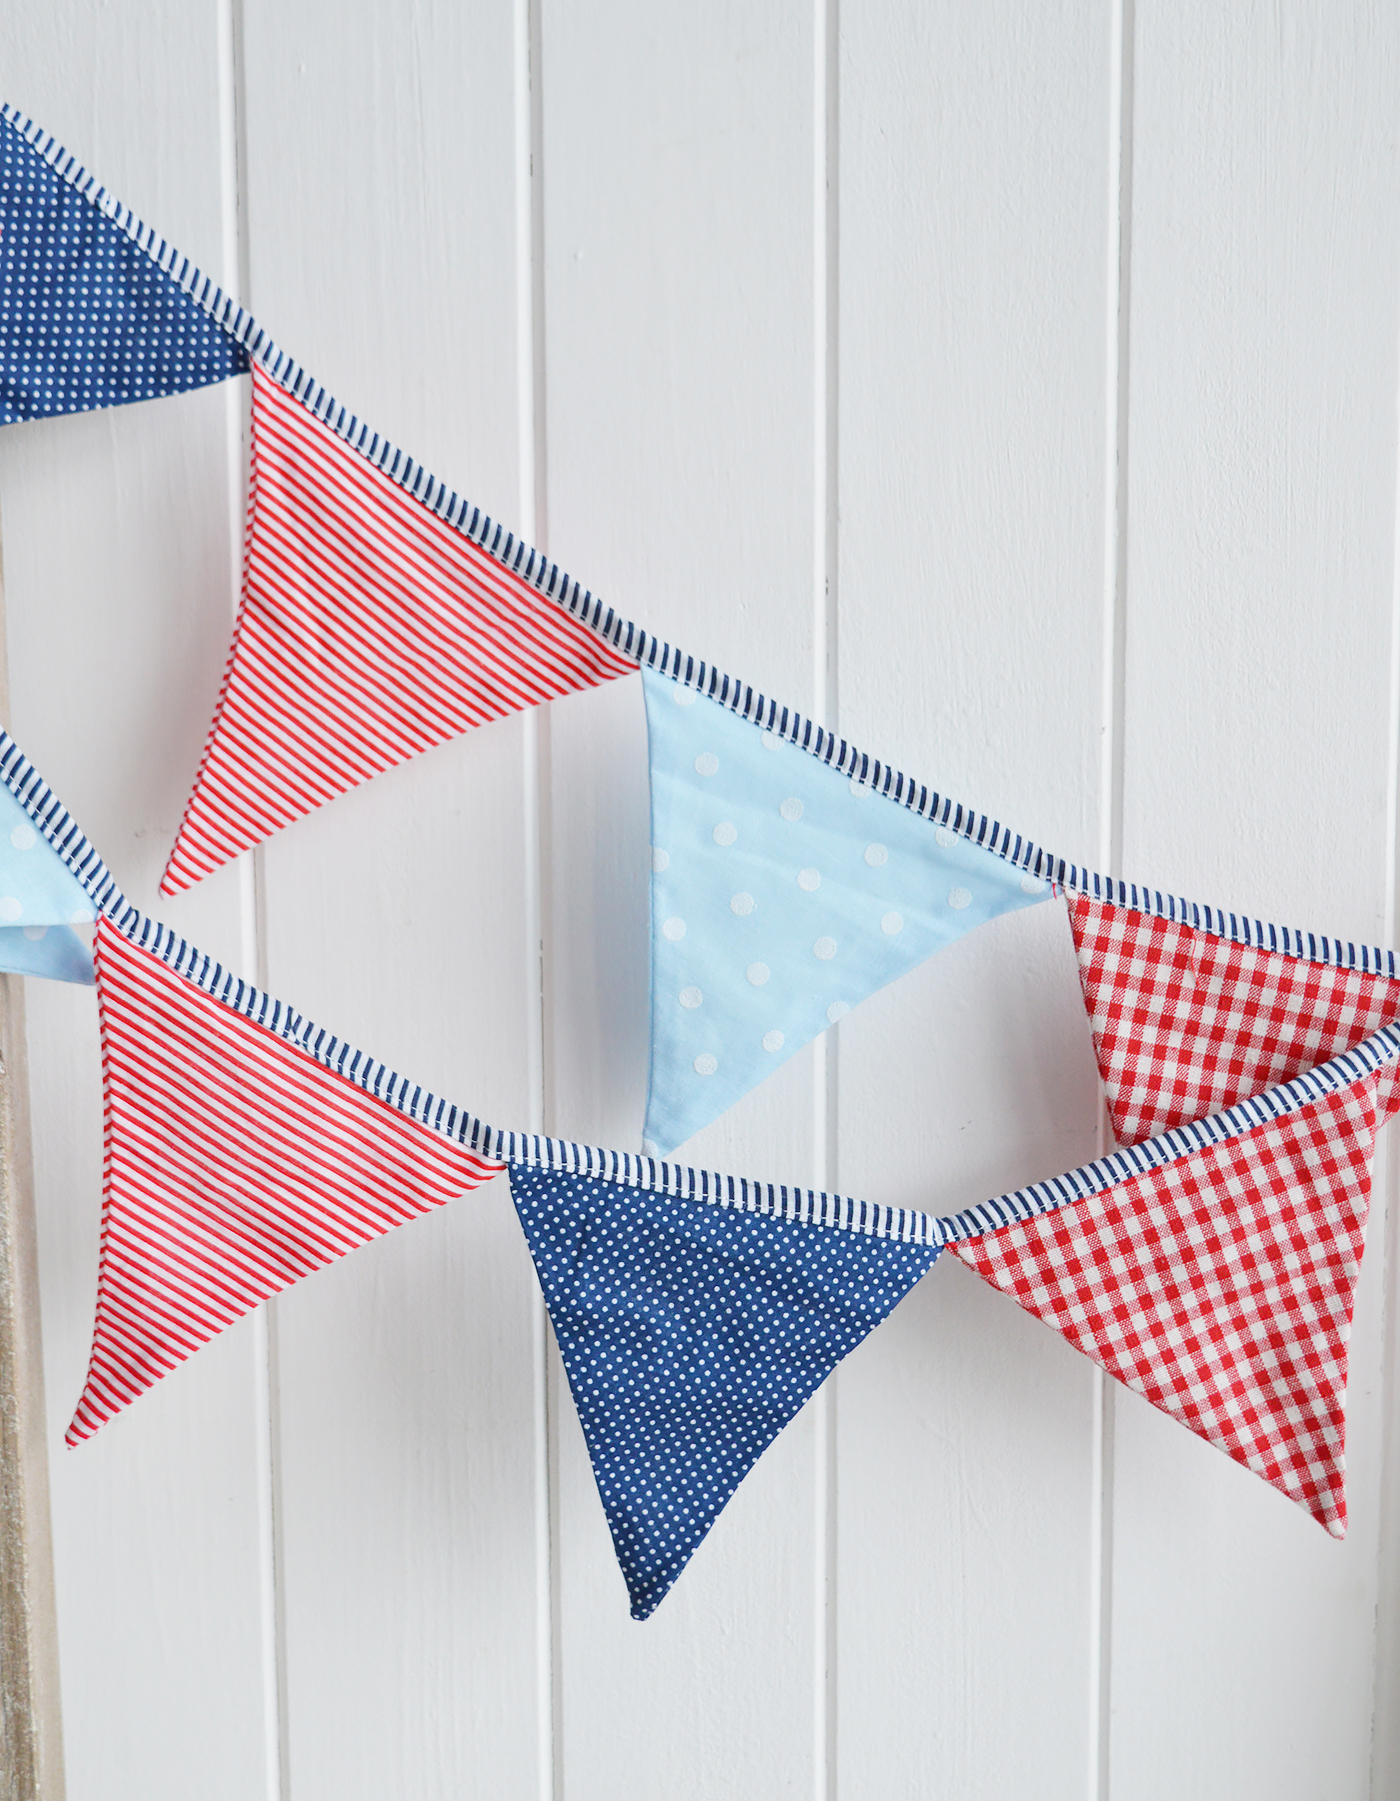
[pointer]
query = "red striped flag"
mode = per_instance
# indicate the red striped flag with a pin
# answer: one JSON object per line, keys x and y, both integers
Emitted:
{"x": 369, "y": 630}
{"x": 1220, "y": 1288}
{"x": 1187, "y": 1023}
{"x": 235, "y": 1164}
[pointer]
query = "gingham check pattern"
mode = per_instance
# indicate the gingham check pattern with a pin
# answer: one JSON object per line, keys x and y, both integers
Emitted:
{"x": 1186, "y": 1023}
{"x": 1220, "y": 1288}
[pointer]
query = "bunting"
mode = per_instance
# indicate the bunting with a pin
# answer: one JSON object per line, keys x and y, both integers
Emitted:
{"x": 1210, "y": 1263}
{"x": 783, "y": 893}
{"x": 1212, "y": 1268}
{"x": 95, "y": 310}
{"x": 1220, "y": 1288}
{"x": 1188, "y": 1021}
{"x": 691, "y": 1335}
{"x": 369, "y": 630}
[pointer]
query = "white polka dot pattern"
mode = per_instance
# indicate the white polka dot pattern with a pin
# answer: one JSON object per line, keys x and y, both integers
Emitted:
{"x": 87, "y": 318}
{"x": 691, "y": 1336}
{"x": 801, "y": 894}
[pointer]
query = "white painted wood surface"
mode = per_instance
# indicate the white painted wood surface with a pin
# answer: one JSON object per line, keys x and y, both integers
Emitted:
{"x": 1014, "y": 386}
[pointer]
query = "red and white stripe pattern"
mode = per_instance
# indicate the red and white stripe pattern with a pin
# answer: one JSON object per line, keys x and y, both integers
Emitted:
{"x": 235, "y": 1164}
{"x": 369, "y": 630}
{"x": 1220, "y": 1288}
{"x": 1187, "y": 1023}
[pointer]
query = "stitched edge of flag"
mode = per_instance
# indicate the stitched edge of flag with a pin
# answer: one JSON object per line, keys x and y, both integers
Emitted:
{"x": 1307, "y": 947}
{"x": 513, "y": 553}
{"x": 989, "y": 834}
{"x": 641, "y": 646}
{"x": 1372, "y": 1054}
{"x": 769, "y": 715}
{"x": 778, "y": 1200}
{"x": 794, "y": 1203}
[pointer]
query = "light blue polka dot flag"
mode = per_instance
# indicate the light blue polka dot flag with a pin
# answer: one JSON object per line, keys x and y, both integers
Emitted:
{"x": 692, "y": 1334}
{"x": 39, "y": 901}
{"x": 88, "y": 315}
{"x": 782, "y": 894}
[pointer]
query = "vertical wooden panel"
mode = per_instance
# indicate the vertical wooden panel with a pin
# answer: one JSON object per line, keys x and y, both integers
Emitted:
{"x": 118, "y": 555}
{"x": 382, "y": 219}
{"x": 975, "y": 249}
{"x": 1257, "y": 750}
{"x": 678, "y": 310}
{"x": 31, "y": 1718}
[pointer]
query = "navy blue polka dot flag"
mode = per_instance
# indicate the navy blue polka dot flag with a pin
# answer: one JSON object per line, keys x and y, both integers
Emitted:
{"x": 95, "y": 310}
{"x": 692, "y": 1334}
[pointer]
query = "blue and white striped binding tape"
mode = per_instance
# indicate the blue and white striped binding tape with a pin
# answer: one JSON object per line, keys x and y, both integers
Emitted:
{"x": 796, "y": 1203}
{"x": 640, "y": 646}
{"x": 801, "y": 1205}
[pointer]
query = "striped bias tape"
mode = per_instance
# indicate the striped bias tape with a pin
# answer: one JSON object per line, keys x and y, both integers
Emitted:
{"x": 780, "y": 1201}
{"x": 790, "y": 1202}
{"x": 631, "y": 641}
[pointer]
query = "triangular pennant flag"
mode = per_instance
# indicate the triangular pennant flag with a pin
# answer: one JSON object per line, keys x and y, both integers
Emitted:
{"x": 782, "y": 894}
{"x": 236, "y": 1163}
{"x": 1187, "y": 1022}
{"x": 1220, "y": 1287}
{"x": 369, "y": 629}
{"x": 692, "y": 1334}
{"x": 94, "y": 309}
{"x": 40, "y": 899}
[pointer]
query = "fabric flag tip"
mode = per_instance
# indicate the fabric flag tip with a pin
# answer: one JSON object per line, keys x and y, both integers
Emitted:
{"x": 691, "y": 1334}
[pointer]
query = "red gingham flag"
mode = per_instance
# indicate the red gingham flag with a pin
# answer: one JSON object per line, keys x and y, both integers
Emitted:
{"x": 235, "y": 1164}
{"x": 1220, "y": 1288}
{"x": 369, "y": 630}
{"x": 1186, "y": 1024}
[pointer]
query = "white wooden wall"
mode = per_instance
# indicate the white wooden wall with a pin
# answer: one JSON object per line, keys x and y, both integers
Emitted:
{"x": 1013, "y": 384}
